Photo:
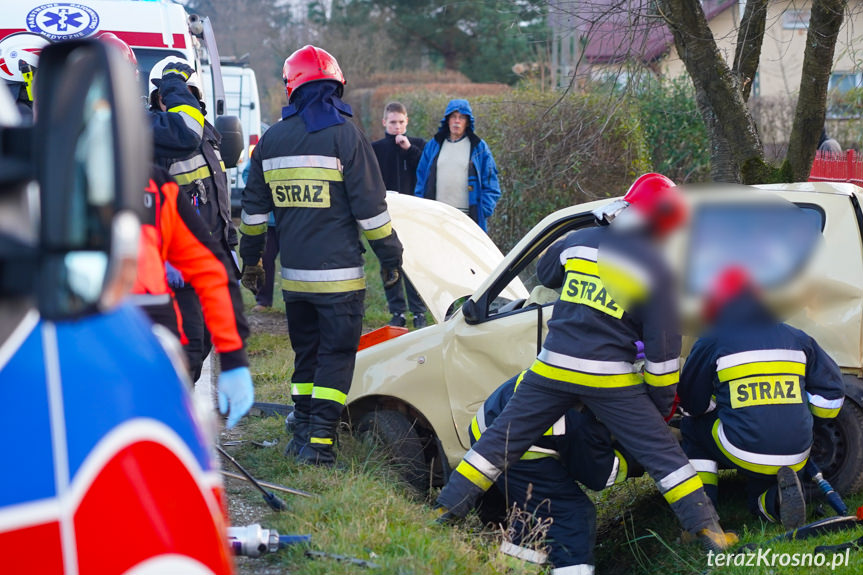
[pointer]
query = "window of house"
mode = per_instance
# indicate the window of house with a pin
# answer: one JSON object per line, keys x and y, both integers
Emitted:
{"x": 795, "y": 19}
{"x": 845, "y": 81}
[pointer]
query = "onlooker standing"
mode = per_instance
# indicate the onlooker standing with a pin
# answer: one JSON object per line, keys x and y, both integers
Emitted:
{"x": 457, "y": 167}
{"x": 398, "y": 156}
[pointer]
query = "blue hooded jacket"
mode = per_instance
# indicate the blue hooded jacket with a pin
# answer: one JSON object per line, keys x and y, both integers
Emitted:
{"x": 482, "y": 184}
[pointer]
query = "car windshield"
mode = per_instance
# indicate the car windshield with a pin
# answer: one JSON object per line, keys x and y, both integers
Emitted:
{"x": 771, "y": 241}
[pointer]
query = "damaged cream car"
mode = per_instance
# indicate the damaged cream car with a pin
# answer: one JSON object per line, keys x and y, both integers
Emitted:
{"x": 418, "y": 392}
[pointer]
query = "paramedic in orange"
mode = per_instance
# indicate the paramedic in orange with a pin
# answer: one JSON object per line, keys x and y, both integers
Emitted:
{"x": 172, "y": 232}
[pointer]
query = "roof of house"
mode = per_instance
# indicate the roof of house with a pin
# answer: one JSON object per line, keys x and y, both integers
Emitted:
{"x": 619, "y": 30}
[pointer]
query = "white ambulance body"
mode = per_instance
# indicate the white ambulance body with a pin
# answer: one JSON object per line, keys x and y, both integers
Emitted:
{"x": 154, "y": 29}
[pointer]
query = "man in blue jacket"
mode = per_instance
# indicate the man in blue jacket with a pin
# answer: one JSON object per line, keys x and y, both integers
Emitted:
{"x": 457, "y": 167}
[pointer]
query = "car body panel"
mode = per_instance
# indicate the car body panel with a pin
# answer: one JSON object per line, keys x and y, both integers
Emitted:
{"x": 463, "y": 361}
{"x": 446, "y": 255}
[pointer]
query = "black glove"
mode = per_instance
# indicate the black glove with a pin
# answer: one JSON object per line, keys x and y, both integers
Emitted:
{"x": 390, "y": 277}
{"x": 179, "y": 68}
{"x": 253, "y": 277}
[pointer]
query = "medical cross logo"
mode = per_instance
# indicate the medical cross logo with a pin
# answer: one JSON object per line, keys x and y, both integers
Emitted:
{"x": 62, "y": 21}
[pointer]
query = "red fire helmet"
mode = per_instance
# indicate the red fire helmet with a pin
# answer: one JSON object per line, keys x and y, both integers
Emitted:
{"x": 731, "y": 282}
{"x": 309, "y": 64}
{"x": 657, "y": 199}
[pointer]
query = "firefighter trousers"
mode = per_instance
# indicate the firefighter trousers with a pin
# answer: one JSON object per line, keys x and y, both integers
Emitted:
{"x": 762, "y": 493}
{"x": 632, "y": 419}
{"x": 324, "y": 336}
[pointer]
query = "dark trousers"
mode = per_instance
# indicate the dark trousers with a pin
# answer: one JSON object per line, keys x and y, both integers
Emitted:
{"x": 324, "y": 336}
{"x": 396, "y": 297}
{"x": 699, "y": 445}
{"x": 264, "y": 296}
{"x": 633, "y": 420}
{"x": 198, "y": 346}
{"x": 544, "y": 490}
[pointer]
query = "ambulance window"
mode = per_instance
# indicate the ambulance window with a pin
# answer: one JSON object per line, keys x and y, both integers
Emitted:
{"x": 771, "y": 241}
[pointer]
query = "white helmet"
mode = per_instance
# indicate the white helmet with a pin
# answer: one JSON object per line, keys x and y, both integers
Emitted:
{"x": 17, "y": 47}
{"x": 194, "y": 80}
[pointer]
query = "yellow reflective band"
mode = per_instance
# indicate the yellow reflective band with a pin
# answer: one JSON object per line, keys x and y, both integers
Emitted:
{"x": 762, "y": 368}
{"x": 661, "y": 380}
{"x": 824, "y": 412}
{"x": 321, "y": 440}
{"x": 517, "y": 381}
{"x": 582, "y": 266}
{"x": 708, "y": 478}
{"x": 201, "y": 173}
{"x": 253, "y": 230}
{"x": 302, "y": 388}
{"x": 474, "y": 429}
{"x": 756, "y": 467}
{"x": 300, "y": 193}
{"x": 379, "y": 233}
{"x": 531, "y": 455}
{"x": 765, "y": 390}
{"x": 680, "y": 491}
{"x": 588, "y": 290}
{"x": 325, "y": 174}
{"x": 622, "y": 468}
{"x": 324, "y": 287}
{"x": 329, "y": 394}
{"x": 762, "y": 506}
{"x": 586, "y": 379}
{"x": 623, "y": 285}
{"x": 470, "y": 473}
{"x": 191, "y": 111}
{"x": 222, "y": 165}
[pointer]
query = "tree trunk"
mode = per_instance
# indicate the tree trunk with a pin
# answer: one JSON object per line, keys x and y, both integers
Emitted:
{"x": 750, "y": 36}
{"x": 711, "y": 76}
{"x": 723, "y": 168}
{"x": 824, "y": 23}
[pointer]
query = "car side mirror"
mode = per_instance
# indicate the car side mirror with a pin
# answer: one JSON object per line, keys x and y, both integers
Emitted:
{"x": 91, "y": 149}
{"x": 231, "y": 145}
{"x": 470, "y": 311}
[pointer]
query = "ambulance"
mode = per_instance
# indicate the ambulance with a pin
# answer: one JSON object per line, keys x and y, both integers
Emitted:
{"x": 153, "y": 29}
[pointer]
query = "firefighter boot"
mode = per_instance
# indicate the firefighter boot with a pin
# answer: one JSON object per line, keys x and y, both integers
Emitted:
{"x": 318, "y": 450}
{"x": 792, "y": 505}
{"x": 299, "y": 428}
{"x": 713, "y": 538}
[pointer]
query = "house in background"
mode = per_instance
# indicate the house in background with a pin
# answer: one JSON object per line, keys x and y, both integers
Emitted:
{"x": 615, "y": 38}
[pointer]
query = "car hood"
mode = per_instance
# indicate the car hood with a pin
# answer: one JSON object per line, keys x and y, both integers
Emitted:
{"x": 446, "y": 254}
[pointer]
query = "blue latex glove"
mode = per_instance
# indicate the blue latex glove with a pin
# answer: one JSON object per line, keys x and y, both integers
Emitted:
{"x": 235, "y": 388}
{"x": 175, "y": 278}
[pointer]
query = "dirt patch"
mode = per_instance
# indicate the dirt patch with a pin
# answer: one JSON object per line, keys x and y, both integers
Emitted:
{"x": 267, "y": 321}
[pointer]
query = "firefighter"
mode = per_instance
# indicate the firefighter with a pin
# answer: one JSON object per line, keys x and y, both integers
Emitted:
{"x": 318, "y": 174}
{"x": 542, "y": 484}
{"x": 750, "y": 387}
{"x": 19, "y": 59}
{"x": 199, "y": 171}
{"x": 616, "y": 290}
{"x": 172, "y": 232}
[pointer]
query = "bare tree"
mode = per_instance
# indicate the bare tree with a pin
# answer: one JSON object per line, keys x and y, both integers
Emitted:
{"x": 639, "y": 31}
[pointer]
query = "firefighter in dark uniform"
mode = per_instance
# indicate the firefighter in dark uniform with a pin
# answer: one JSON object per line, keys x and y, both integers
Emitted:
{"x": 750, "y": 387}
{"x": 542, "y": 484}
{"x": 200, "y": 173}
{"x": 616, "y": 290}
{"x": 171, "y": 231}
{"x": 318, "y": 174}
